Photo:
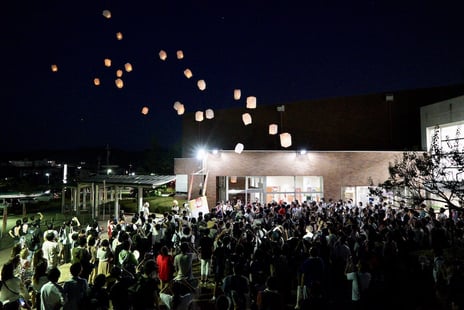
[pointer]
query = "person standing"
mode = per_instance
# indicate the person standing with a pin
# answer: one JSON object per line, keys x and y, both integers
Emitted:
{"x": 51, "y": 293}
{"x": 75, "y": 290}
{"x": 12, "y": 287}
{"x": 183, "y": 263}
{"x": 51, "y": 250}
{"x": 165, "y": 266}
{"x": 206, "y": 253}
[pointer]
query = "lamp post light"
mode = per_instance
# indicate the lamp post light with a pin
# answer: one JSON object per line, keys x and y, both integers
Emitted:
{"x": 48, "y": 178}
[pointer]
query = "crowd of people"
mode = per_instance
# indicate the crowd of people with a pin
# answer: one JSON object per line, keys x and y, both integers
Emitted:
{"x": 302, "y": 255}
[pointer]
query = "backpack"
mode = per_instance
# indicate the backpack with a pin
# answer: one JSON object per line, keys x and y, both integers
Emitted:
{"x": 32, "y": 239}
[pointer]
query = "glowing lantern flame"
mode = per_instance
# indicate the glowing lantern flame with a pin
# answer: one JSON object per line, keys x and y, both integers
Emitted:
{"x": 273, "y": 128}
{"x": 180, "y": 109}
{"x": 128, "y": 67}
{"x": 145, "y": 110}
{"x": 119, "y": 36}
{"x": 246, "y": 118}
{"x": 199, "y": 116}
{"x": 119, "y": 83}
{"x": 54, "y": 68}
{"x": 239, "y": 148}
{"x": 209, "y": 114}
{"x": 251, "y": 102}
{"x": 177, "y": 105}
{"x": 96, "y": 81}
{"x": 119, "y": 73}
{"x": 180, "y": 54}
{"x": 188, "y": 73}
{"x": 285, "y": 139}
{"x": 107, "y": 62}
{"x": 163, "y": 55}
{"x": 233, "y": 179}
{"x": 107, "y": 13}
{"x": 201, "y": 84}
{"x": 237, "y": 94}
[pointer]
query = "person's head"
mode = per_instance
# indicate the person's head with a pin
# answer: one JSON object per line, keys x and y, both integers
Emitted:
{"x": 164, "y": 250}
{"x": 99, "y": 281}
{"x": 149, "y": 267}
{"x": 50, "y": 236}
{"x": 24, "y": 254}
{"x": 105, "y": 243}
{"x": 184, "y": 247}
{"x": 53, "y": 275}
{"x": 82, "y": 241}
{"x": 8, "y": 271}
{"x": 41, "y": 268}
{"x": 75, "y": 269}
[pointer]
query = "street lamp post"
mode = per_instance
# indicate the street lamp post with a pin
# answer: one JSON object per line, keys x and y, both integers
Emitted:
{"x": 48, "y": 178}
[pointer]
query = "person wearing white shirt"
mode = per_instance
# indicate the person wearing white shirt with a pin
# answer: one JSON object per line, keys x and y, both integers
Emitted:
{"x": 51, "y": 294}
{"x": 51, "y": 250}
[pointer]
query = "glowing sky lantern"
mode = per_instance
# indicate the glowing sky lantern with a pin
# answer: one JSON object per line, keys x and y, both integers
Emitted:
{"x": 96, "y": 81}
{"x": 107, "y": 13}
{"x": 246, "y": 118}
{"x": 181, "y": 109}
{"x": 237, "y": 94}
{"x": 239, "y": 148}
{"x": 188, "y": 73}
{"x": 119, "y": 36}
{"x": 201, "y": 84}
{"x": 199, "y": 116}
{"x": 251, "y": 102}
{"x": 54, "y": 68}
{"x": 273, "y": 129}
{"x": 107, "y": 62}
{"x": 119, "y": 73}
{"x": 145, "y": 110}
{"x": 233, "y": 179}
{"x": 209, "y": 113}
{"x": 285, "y": 139}
{"x": 128, "y": 67}
{"x": 163, "y": 55}
{"x": 180, "y": 54}
{"x": 177, "y": 105}
{"x": 119, "y": 83}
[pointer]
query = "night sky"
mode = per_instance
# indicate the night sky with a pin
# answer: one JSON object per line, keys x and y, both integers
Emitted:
{"x": 278, "y": 51}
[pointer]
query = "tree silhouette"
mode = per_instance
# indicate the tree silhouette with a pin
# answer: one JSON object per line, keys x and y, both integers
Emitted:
{"x": 433, "y": 176}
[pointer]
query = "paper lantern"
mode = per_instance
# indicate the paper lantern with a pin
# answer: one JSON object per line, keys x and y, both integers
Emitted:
{"x": 239, "y": 148}
{"x": 199, "y": 116}
{"x": 201, "y": 84}
{"x": 119, "y": 83}
{"x": 107, "y": 13}
{"x": 119, "y": 73}
{"x": 180, "y": 54}
{"x": 237, "y": 94}
{"x": 163, "y": 55}
{"x": 233, "y": 179}
{"x": 285, "y": 139}
{"x": 246, "y": 118}
{"x": 54, "y": 68}
{"x": 177, "y": 105}
{"x": 251, "y": 102}
{"x": 145, "y": 110}
{"x": 209, "y": 114}
{"x": 188, "y": 73}
{"x": 96, "y": 81}
{"x": 119, "y": 36}
{"x": 181, "y": 109}
{"x": 128, "y": 67}
{"x": 273, "y": 129}
{"x": 107, "y": 62}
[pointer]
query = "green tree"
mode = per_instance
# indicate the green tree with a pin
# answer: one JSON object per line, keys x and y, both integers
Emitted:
{"x": 434, "y": 176}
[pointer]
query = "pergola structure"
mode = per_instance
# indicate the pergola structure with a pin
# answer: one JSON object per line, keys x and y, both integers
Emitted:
{"x": 89, "y": 194}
